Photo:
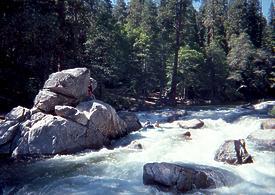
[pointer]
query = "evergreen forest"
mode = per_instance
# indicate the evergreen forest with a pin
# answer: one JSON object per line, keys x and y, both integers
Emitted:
{"x": 163, "y": 51}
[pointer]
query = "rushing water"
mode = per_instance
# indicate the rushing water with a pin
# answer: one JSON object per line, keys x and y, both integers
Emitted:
{"x": 119, "y": 171}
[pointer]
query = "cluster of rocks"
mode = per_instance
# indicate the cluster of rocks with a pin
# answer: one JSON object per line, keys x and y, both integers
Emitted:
{"x": 64, "y": 119}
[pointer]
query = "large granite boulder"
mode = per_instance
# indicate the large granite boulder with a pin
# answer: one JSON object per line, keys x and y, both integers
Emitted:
{"x": 268, "y": 124}
{"x": 56, "y": 135}
{"x": 47, "y": 100}
{"x": 180, "y": 178}
{"x": 104, "y": 118}
{"x": 8, "y": 131}
{"x": 233, "y": 152}
{"x": 67, "y": 87}
{"x": 131, "y": 120}
{"x": 71, "y": 83}
{"x": 263, "y": 139}
{"x": 191, "y": 124}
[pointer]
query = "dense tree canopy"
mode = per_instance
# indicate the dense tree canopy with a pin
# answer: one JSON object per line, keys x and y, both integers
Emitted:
{"x": 223, "y": 52}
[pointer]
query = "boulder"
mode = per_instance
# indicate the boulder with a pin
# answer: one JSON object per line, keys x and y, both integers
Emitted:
{"x": 191, "y": 124}
{"x": 8, "y": 130}
{"x": 71, "y": 113}
{"x": 233, "y": 152}
{"x": 18, "y": 113}
{"x": 187, "y": 135}
{"x": 71, "y": 83}
{"x": 268, "y": 124}
{"x": 131, "y": 120}
{"x": 104, "y": 118}
{"x": 47, "y": 100}
{"x": 263, "y": 139}
{"x": 180, "y": 178}
{"x": 56, "y": 135}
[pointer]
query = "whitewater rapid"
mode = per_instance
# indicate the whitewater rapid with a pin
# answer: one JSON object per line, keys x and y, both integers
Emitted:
{"x": 119, "y": 170}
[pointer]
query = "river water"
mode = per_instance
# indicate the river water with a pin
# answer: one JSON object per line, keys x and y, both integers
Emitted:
{"x": 119, "y": 170}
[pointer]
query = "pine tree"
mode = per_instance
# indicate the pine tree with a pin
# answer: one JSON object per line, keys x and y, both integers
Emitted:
{"x": 120, "y": 11}
{"x": 255, "y": 22}
{"x": 213, "y": 22}
{"x": 237, "y": 20}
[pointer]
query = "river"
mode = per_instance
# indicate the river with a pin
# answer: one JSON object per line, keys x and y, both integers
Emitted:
{"x": 119, "y": 170}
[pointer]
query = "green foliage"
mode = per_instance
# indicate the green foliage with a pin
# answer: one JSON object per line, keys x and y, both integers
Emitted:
{"x": 223, "y": 51}
{"x": 190, "y": 72}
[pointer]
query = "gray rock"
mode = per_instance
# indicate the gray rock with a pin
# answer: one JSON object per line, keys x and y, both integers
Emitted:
{"x": 263, "y": 139}
{"x": 47, "y": 100}
{"x": 135, "y": 145}
{"x": 268, "y": 124}
{"x": 233, "y": 152}
{"x": 191, "y": 124}
{"x": 53, "y": 135}
{"x": 7, "y": 131}
{"x": 71, "y": 113}
{"x": 72, "y": 82}
{"x": 18, "y": 113}
{"x": 104, "y": 118}
{"x": 131, "y": 120}
{"x": 183, "y": 178}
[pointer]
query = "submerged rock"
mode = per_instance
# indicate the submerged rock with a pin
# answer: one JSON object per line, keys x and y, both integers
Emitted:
{"x": 175, "y": 116}
{"x": 191, "y": 124}
{"x": 263, "y": 139}
{"x": 268, "y": 124}
{"x": 131, "y": 120}
{"x": 135, "y": 145}
{"x": 178, "y": 178}
{"x": 233, "y": 152}
{"x": 187, "y": 135}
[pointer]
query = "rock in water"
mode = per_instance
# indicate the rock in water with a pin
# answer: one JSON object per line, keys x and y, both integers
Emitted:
{"x": 182, "y": 178}
{"x": 56, "y": 135}
{"x": 131, "y": 120}
{"x": 263, "y": 139}
{"x": 175, "y": 116}
{"x": 191, "y": 124}
{"x": 8, "y": 130}
{"x": 72, "y": 82}
{"x": 268, "y": 124}
{"x": 233, "y": 152}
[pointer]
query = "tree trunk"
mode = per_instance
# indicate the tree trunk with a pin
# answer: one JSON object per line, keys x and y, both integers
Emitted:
{"x": 179, "y": 11}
